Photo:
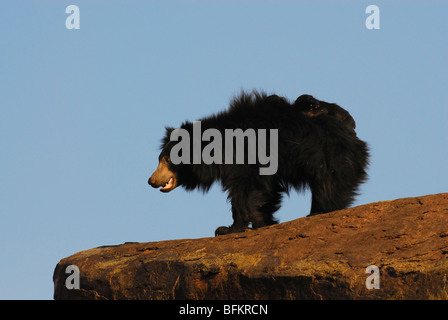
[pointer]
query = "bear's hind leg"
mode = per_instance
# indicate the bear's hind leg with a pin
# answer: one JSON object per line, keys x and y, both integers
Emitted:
{"x": 328, "y": 196}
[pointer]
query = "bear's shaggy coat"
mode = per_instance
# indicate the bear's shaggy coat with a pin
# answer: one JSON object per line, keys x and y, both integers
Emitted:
{"x": 319, "y": 153}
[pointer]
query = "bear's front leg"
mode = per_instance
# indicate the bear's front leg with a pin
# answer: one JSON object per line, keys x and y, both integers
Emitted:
{"x": 256, "y": 207}
{"x": 240, "y": 214}
{"x": 235, "y": 227}
{"x": 220, "y": 231}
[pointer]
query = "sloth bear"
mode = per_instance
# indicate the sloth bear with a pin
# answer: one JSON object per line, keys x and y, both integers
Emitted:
{"x": 317, "y": 151}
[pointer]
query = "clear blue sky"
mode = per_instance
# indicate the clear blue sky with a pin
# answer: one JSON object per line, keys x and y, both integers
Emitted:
{"x": 82, "y": 111}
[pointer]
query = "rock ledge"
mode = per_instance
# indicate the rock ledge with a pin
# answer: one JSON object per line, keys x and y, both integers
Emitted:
{"x": 319, "y": 257}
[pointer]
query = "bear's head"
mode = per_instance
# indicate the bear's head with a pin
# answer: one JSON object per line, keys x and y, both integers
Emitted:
{"x": 166, "y": 174}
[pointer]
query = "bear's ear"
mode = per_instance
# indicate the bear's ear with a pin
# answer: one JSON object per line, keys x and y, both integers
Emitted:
{"x": 166, "y": 137}
{"x": 168, "y": 130}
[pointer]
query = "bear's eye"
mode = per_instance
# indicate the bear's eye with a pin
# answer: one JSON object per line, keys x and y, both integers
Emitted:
{"x": 167, "y": 159}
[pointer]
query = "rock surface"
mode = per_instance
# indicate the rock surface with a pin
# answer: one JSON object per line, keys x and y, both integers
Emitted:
{"x": 318, "y": 257}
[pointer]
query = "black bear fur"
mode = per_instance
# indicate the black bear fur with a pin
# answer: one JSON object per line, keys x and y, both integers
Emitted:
{"x": 320, "y": 153}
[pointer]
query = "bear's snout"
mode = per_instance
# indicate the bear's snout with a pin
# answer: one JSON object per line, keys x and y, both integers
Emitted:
{"x": 163, "y": 177}
{"x": 152, "y": 182}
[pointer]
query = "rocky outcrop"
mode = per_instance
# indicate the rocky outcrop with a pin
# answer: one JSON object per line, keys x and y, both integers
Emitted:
{"x": 318, "y": 257}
